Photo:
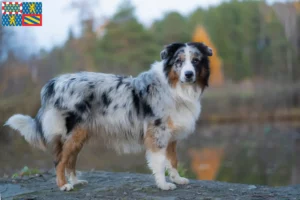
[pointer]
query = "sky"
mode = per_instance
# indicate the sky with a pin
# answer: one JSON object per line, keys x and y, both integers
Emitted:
{"x": 58, "y": 17}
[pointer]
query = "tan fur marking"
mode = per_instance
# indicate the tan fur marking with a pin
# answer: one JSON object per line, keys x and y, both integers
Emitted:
{"x": 71, "y": 148}
{"x": 181, "y": 56}
{"x": 71, "y": 164}
{"x": 173, "y": 78}
{"x": 171, "y": 154}
{"x": 149, "y": 140}
{"x": 57, "y": 149}
{"x": 171, "y": 124}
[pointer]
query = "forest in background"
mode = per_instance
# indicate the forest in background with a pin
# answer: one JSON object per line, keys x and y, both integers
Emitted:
{"x": 256, "y": 54}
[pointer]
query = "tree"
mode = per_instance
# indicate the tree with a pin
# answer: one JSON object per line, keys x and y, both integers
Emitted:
{"x": 126, "y": 46}
{"x": 172, "y": 28}
{"x": 216, "y": 78}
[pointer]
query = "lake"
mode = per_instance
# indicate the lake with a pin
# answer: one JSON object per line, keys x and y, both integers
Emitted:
{"x": 255, "y": 153}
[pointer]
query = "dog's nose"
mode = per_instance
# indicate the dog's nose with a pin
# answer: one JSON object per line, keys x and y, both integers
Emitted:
{"x": 189, "y": 74}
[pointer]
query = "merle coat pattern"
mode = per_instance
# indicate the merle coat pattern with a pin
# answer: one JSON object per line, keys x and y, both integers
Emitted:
{"x": 151, "y": 111}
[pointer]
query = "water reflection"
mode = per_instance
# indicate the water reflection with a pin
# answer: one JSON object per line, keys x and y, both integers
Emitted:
{"x": 206, "y": 162}
{"x": 242, "y": 153}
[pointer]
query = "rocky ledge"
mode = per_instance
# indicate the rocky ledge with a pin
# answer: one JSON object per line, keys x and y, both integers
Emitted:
{"x": 109, "y": 185}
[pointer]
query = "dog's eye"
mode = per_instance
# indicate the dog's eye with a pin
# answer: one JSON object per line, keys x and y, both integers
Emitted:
{"x": 195, "y": 61}
{"x": 178, "y": 61}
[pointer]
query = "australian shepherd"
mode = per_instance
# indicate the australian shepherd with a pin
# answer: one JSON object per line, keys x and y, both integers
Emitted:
{"x": 151, "y": 111}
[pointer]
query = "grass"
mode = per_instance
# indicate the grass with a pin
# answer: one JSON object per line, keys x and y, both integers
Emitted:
{"x": 183, "y": 172}
{"x": 26, "y": 171}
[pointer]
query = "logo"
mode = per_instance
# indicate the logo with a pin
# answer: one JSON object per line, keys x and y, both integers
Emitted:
{"x": 22, "y": 14}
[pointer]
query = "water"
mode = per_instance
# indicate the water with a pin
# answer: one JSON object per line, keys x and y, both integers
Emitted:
{"x": 241, "y": 153}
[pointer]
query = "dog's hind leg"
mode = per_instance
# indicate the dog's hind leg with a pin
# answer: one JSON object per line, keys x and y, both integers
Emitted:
{"x": 172, "y": 165}
{"x": 69, "y": 153}
{"x": 57, "y": 150}
{"x": 71, "y": 167}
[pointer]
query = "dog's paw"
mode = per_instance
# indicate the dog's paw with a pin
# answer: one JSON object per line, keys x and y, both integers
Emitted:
{"x": 179, "y": 180}
{"x": 167, "y": 186}
{"x": 66, "y": 187}
{"x": 79, "y": 182}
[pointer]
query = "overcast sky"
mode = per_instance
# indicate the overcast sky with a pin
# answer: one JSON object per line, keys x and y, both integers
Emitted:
{"x": 58, "y": 17}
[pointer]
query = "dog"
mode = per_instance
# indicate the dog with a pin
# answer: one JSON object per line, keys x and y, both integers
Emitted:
{"x": 151, "y": 111}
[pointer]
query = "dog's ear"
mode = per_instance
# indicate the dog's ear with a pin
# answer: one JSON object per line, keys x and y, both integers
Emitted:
{"x": 170, "y": 50}
{"x": 205, "y": 50}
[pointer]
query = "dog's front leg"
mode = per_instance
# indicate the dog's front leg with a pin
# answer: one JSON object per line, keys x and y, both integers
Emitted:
{"x": 172, "y": 165}
{"x": 156, "y": 141}
{"x": 157, "y": 163}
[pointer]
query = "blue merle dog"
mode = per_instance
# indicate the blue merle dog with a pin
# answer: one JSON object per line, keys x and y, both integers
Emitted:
{"x": 151, "y": 111}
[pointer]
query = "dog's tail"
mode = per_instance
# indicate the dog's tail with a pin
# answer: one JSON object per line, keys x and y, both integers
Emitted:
{"x": 28, "y": 127}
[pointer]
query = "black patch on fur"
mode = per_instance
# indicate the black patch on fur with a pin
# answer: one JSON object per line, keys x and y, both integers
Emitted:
{"x": 72, "y": 119}
{"x": 109, "y": 90}
{"x": 147, "y": 109}
{"x": 140, "y": 105}
{"x": 141, "y": 93}
{"x": 49, "y": 89}
{"x": 105, "y": 99}
{"x": 72, "y": 92}
{"x": 70, "y": 82}
{"x": 205, "y": 64}
{"x": 91, "y": 85}
{"x": 141, "y": 135}
{"x": 88, "y": 104}
{"x": 120, "y": 81}
{"x": 205, "y": 50}
{"x": 103, "y": 112}
{"x": 91, "y": 97}
{"x": 168, "y": 56}
{"x": 148, "y": 88}
{"x": 157, "y": 122}
{"x": 83, "y": 107}
{"x": 38, "y": 125}
{"x": 58, "y": 103}
{"x": 136, "y": 101}
{"x": 116, "y": 107}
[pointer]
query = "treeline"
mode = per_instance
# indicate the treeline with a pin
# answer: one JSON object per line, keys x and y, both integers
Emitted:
{"x": 254, "y": 40}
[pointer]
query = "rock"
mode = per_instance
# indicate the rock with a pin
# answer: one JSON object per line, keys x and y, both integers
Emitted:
{"x": 251, "y": 187}
{"x": 108, "y": 185}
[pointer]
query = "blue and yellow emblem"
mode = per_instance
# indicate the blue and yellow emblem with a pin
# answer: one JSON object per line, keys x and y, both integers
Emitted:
{"x": 22, "y": 13}
{"x": 32, "y": 20}
{"x": 32, "y": 8}
{"x": 12, "y": 20}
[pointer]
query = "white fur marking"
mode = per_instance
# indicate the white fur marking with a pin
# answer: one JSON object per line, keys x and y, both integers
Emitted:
{"x": 53, "y": 124}
{"x": 66, "y": 187}
{"x": 157, "y": 163}
{"x": 174, "y": 175}
{"x": 187, "y": 65}
{"x": 26, "y": 126}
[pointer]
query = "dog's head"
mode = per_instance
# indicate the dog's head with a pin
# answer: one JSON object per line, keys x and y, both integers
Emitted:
{"x": 187, "y": 63}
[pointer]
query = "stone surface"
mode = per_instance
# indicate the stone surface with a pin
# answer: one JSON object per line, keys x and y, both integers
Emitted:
{"x": 109, "y": 185}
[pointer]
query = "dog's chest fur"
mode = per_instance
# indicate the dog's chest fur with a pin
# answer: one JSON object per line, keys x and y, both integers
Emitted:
{"x": 186, "y": 111}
